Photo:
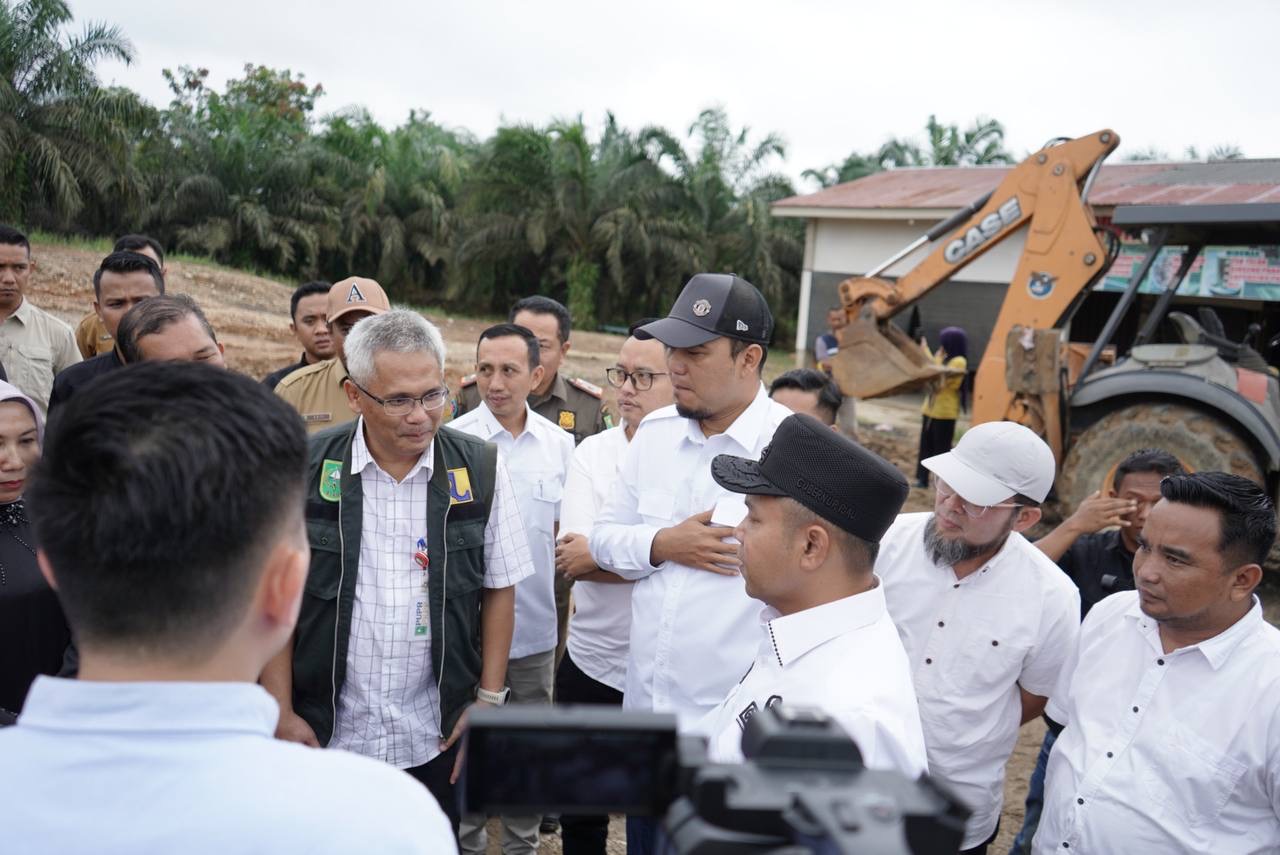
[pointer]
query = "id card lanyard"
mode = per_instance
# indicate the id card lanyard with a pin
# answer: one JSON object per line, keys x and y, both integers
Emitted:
{"x": 420, "y": 609}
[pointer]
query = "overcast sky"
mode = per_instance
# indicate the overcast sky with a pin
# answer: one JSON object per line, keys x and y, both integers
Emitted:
{"x": 830, "y": 77}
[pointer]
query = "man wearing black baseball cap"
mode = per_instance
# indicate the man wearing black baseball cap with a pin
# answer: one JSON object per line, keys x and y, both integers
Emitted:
{"x": 694, "y": 629}
{"x": 817, "y": 506}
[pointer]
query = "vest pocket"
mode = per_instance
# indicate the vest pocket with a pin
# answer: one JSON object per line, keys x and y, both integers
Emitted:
{"x": 464, "y": 543}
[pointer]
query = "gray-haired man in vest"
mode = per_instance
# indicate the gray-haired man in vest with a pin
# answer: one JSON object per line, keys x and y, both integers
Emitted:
{"x": 416, "y": 546}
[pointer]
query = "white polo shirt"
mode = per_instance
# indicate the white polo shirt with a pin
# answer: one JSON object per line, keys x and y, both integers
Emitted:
{"x": 971, "y": 643}
{"x": 693, "y": 632}
{"x": 1165, "y": 752}
{"x": 600, "y": 628}
{"x": 843, "y": 658}
{"x": 139, "y": 768}
{"x": 537, "y": 461}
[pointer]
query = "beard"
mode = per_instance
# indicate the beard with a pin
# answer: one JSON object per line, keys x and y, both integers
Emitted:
{"x": 949, "y": 551}
{"x": 696, "y": 415}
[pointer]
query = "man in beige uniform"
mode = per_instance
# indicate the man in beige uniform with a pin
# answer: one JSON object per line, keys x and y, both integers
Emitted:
{"x": 316, "y": 391}
{"x": 93, "y": 335}
{"x": 34, "y": 345}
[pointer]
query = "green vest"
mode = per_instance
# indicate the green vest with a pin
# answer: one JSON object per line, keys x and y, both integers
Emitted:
{"x": 459, "y": 497}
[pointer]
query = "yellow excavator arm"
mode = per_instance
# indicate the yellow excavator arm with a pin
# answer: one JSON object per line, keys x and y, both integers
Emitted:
{"x": 1062, "y": 255}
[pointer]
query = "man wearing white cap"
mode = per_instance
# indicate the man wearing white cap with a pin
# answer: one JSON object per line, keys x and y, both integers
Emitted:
{"x": 986, "y": 618}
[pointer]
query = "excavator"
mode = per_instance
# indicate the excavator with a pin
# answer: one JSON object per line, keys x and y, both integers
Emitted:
{"x": 1212, "y": 401}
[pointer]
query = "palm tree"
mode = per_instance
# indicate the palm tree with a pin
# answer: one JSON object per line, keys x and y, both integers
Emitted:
{"x": 63, "y": 137}
{"x": 981, "y": 143}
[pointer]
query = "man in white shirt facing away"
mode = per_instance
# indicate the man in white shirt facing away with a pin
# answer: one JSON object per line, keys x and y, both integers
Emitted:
{"x": 817, "y": 506}
{"x": 594, "y": 669}
{"x": 184, "y": 577}
{"x": 537, "y": 454}
{"x": 693, "y": 627}
{"x": 1172, "y": 700}
{"x": 986, "y": 617}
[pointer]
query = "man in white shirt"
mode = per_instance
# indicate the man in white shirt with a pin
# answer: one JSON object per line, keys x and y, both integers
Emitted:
{"x": 34, "y": 345}
{"x": 693, "y": 627}
{"x": 164, "y": 744}
{"x": 1172, "y": 700}
{"x": 987, "y": 619}
{"x": 537, "y": 454}
{"x": 817, "y": 506}
{"x": 416, "y": 547}
{"x": 594, "y": 669}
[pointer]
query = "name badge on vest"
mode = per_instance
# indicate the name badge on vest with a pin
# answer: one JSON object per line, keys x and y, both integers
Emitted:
{"x": 315, "y": 418}
{"x": 331, "y": 480}
{"x": 459, "y": 487}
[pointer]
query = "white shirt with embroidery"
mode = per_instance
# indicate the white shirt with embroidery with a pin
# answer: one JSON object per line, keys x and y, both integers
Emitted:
{"x": 538, "y": 460}
{"x": 693, "y": 632}
{"x": 1165, "y": 752}
{"x": 843, "y": 658}
{"x": 389, "y": 704}
{"x": 971, "y": 643}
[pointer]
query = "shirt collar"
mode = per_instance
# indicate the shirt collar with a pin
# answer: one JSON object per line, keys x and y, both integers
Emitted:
{"x": 337, "y": 371}
{"x": 23, "y": 312}
{"x": 362, "y": 458}
{"x": 492, "y": 427}
{"x": 1216, "y": 650}
{"x": 796, "y": 634}
{"x": 746, "y": 428}
{"x": 85, "y": 705}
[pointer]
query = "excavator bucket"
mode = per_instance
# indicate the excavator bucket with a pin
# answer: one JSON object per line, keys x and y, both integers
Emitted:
{"x": 877, "y": 359}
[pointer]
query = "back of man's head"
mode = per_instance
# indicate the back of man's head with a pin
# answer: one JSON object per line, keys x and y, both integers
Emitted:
{"x": 1247, "y": 515}
{"x": 152, "y": 316}
{"x": 827, "y": 395}
{"x": 162, "y": 490}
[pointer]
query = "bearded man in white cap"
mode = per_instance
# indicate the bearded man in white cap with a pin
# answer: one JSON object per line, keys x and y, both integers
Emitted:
{"x": 986, "y": 618}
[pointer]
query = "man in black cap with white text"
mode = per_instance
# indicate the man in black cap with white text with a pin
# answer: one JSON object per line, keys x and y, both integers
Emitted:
{"x": 694, "y": 629}
{"x": 817, "y": 506}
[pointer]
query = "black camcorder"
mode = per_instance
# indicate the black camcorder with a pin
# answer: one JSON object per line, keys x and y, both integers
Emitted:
{"x": 801, "y": 788}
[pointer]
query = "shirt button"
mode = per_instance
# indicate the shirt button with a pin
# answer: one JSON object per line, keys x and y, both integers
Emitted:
{"x": 956, "y": 585}
{"x": 995, "y": 643}
{"x": 1159, "y": 661}
{"x": 928, "y": 661}
{"x": 1066, "y": 845}
{"x": 1135, "y": 709}
{"x": 941, "y": 623}
{"x": 1079, "y": 801}
{"x": 1109, "y": 754}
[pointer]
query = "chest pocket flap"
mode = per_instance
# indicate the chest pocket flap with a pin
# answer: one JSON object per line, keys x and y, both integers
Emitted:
{"x": 326, "y": 559}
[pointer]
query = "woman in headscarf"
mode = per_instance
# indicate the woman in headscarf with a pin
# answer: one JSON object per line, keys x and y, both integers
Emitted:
{"x": 33, "y": 631}
{"x": 948, "y": 395}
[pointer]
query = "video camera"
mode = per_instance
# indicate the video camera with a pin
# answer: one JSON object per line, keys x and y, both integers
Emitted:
{"x": 801, "y": 788}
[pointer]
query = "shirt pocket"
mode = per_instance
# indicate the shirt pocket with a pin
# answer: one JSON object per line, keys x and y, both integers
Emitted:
{"x": 326, "y": 547}
{"x": 656, "y": 506}
{"x": 988, "y": 649}
{"x": 1188, "y": 779}
{"x": 39, "y": 361}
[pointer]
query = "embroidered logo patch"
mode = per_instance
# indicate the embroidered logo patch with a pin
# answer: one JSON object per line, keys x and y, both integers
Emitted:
{"x": 702, "y": 308}
{"x": 746, "y": 714}
{"x": 568, "y": 420}
{"x": 459, "y": 487}
{"x": 355, "y": 295}
{"x": 331, "y": 480}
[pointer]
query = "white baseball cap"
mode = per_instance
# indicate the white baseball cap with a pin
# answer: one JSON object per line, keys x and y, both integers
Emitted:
{"x": 995, "y": 460}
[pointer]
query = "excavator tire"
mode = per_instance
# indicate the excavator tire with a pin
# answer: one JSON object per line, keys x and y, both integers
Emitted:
{"x": 1199, "y": 440}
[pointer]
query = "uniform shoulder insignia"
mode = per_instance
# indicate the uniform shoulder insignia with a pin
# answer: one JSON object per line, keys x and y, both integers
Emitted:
{"x": 583, "y": 386}
{"x": 469, "y": 380}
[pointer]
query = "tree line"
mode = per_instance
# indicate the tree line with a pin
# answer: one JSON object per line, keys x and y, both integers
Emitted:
{"x": 611, "y": 222}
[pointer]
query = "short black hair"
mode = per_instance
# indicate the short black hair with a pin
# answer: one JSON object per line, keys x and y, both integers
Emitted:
{"x": 634, "y": 330}
{"x": 1248, "y": 515}
{"x": 151, "y": 316}
{"x": 808, "y": 380}
{"x": 1162, "y": 463}
{"x": 504, "y": 330}
{"x": 540, "y": 305}
{"x": 306, "y": 289}
{"x": 137, "y": 243}
{"x": 127, "y": 261}
{"x": 861, "y": 553}
{"x": 160, "y": 491}
{"x": 10, "y": 236}
{"x": 737, "y": 345}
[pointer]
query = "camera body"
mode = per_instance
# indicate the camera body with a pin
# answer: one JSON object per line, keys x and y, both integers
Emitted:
{"x": 802, "y": 786}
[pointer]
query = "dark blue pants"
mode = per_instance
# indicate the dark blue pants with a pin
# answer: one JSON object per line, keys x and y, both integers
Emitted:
{"x": 1035, "y": 799}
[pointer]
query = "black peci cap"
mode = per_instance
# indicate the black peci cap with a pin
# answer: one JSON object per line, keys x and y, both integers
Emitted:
{"x": 828, "y": 473}
{"x": 712, "y": 305}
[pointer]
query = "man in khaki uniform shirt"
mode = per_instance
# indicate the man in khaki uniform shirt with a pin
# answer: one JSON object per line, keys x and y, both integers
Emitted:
{"x": 34, "y": 345}
{"x": 316, "y": 391}
{"x": 93, "y": 336}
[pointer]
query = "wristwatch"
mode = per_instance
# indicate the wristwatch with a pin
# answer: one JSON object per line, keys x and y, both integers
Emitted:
{"x": 497, "y": 699}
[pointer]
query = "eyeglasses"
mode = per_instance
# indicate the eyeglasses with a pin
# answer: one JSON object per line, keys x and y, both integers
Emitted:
{"x": 642, "y": 380}
{"x": 403, "y": 405}
{"x": 946, "y": 494}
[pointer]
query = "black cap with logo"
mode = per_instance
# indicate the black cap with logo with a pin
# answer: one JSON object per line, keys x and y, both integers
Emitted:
{"x": 714, "y": 305}
{"x": 828, "y": 473}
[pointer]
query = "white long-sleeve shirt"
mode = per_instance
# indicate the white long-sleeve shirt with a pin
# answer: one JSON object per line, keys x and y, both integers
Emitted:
{"x": 1165, "y": 752}
{"x": 537, "y": 461}
{"x": 693, "y": 632}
